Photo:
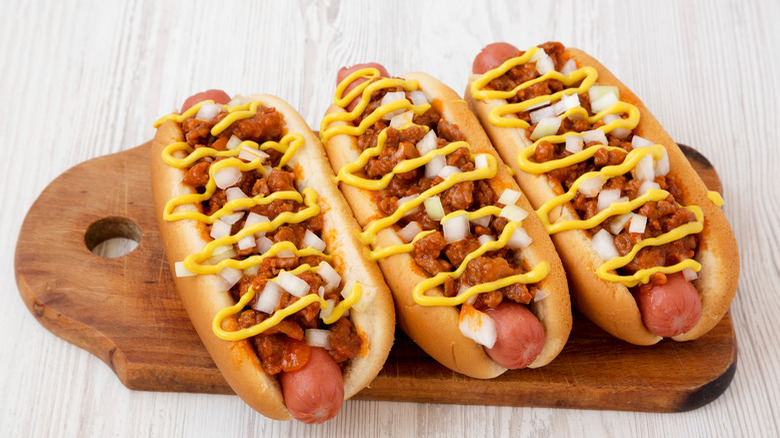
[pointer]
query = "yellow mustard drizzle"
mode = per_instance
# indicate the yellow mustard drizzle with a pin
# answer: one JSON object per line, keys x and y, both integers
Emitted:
{"x": 347, "y": 175}
{"x": 199, "y": 263}
{"x": 586, "y": 77}
{"x": 715, "y": 198}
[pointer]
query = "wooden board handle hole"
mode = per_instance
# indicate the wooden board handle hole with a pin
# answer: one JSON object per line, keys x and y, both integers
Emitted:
{"x": 112, "y": 237}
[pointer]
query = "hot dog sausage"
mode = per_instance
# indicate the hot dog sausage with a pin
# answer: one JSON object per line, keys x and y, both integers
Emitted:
{"x": 345, "y": 71}
{"x": 218, "y": 96}
{"x": 314, "y": 393}
{"x": 492, "y": 56}
{"x": 519, "y": 335}
{"x": 670, "y": 309}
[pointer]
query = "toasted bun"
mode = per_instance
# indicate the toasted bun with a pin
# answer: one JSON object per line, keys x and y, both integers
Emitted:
{"x": 611, "y": 305}
{"x": 435, "y": 329}
{"x": 203, "y": 298}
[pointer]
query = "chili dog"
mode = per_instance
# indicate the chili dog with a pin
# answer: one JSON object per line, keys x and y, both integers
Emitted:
{"x": 647, "y": 250}
{"x": 476, "y": 283}
{"x": 294, "y": 315}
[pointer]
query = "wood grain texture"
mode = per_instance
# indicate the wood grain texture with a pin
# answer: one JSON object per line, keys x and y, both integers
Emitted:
{"x": 86, "y": 78}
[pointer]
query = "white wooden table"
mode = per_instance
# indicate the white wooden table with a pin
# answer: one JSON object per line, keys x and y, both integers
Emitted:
{"x": 82, "y": 79}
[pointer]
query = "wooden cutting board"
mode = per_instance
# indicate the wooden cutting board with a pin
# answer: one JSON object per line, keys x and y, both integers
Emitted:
{"x": 126, "y": 311}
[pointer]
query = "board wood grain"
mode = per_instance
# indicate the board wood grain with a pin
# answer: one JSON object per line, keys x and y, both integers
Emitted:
{"x": 125, "y": 310}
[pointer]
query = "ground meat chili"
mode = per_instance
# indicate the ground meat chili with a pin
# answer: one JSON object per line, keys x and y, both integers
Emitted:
{"x": 281, "y": 347}
{"x": 433, "y": 254}
{"x": 663, "y": 216}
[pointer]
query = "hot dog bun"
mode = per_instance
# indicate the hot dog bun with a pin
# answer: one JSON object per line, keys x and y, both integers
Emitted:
{"x": 610, "y": 304}
{"x": 204, "y": 296}
{"x": 435, "y": 328}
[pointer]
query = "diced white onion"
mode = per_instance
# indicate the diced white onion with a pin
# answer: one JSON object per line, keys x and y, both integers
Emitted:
{"x": 404, "y": 200}
{"x": 596, "y": 92}
{"x": 247, "y": 242}
{"x": 483, "y": 221}
{"x": 269, "y": 298}
{"x": 541, "y": 103}
{"x": 472, "y": 299}
{"x": 234, "y": 193}
{"x": 410, "y": 231}
{"x": 520, "y": 239}
{"x": 548, "y": 126}
{"x": 390, "y": 98}
{"x": 639, "y": 142}
{"x": 427, "y": 143}
{"x": 543, "y": 113}
{"x": 648, "y": 185}
{"x": 227, "y": 177}
{"x": 592, "y": 186}
{"x": 317, "y": 338}
{"x": 231, "y": 276}
{"x": 477, "y": 326}
{"x": 331, "y": 277}
{"x": 574, "y": 143}
{"x": 690, "y": 274}
{"x": 239, "y": 100}
{"x": 603, "y": 103}
{"x": 252, "y": 270}
{"x": 219, "y": 229}
{"x": 434, "y": 208}
{"x": 509, "y": 197}
{"x": 325, "y": 313}
{"x": 267, "y": 168}
{"x": 232, "y": 218}
{"x": 418, "y": 97}
{"x": 662, "y": 166}
{"x": 448, "y": 171}
{"x": 607, "y": 197}
{"x": 254, "y": 219}
{"x": 220, "y": 253}
{"x": 456, "y": 228}
{"x": 620, "y": 133}
{"x": 513, "y": 213}
{"x": 481, "y": 161}
{"x": 233, "y": 143}
{"x": 644, "y": 169}
{"x": 568, "y": 101}
{"x": 263, "y": 244}
{"x": 540, "y": 295}
{"x": 569, "y": 67}
{"x": 285, "y": 253}
{"x": 604, "y": 244}
{"x": 538, "y": 54}
{"x": 311, "y": 240}
{"x": 399, "y": 120}
{"x": 249, "y": 153}
{"x": 594, "y": 135}
{"x": 433, "y": 167}
{"x": 181, "y": 271}
{"x": 485, "y": 238}
{"x": 616, "y": 224}
{"x": 545, "y": 64}
{"x": 638, "y": 224}
{"x": 292, "y": 284}
{"x": 208, "y": 112}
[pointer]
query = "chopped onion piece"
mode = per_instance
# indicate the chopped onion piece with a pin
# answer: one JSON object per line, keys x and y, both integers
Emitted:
{"x": 540, "y": 295}
{"x": 263, "y": 244}
{"x": 544, "y": 64}
{"x": 543, "y": 113}
{"x": 596, "y": 92}
{"x": 208, "y": 112}
{"x": 604, "y": 244}
{"x": 220, "y": 253}
{"x": 434, "y": 208}
{"x": 230, "y": 219}
{"x": 269, "y": 298}
{"x": 537, "y": 55}
{"x": 239, "y": 100}
{"x": 569, "y": 101}
{"x": 267, "y": 169}
{"x": 594, "y": 135}
{"x": 644, "y": 169}
{"x": 569, "y": 68}
{"x": 639, "y": 142}
{"x": 447, "y": 171}
{"x": 648, "y": 185}
{"x": 620, "y": 133}
{"x": 433, "y": 167}
{"x": 181, "y": 271}
{"x": 325, "y": 313}
{"x": 234, "y": 193}
{"x": 638, "y": 224}
{"x": 513, "y": 213}
{"x": 483, "y": 221}
{"x": 331, "y": 277}
{"x": 662, "y": 166}
{"x": 541, "y": 103}
{"x": 427, "y": 143}
{"x": 617, "y": 223}
{"x": 285, "y": 253}
{"x": 313, "y": 241}
{"x": 404, "y": 200}
{"x": 252, "y": 270}
{"x": 233, "y": 143}
{"x": 418, "y": 97}
{"x": 603, "y": 102}
{"x": 472, "y": 299}
{"x": 249, "y": 153}
{"x": 548, "y": 126}
{"x": 690, "y": 274}
{"x": 317, "y": 338}
{"x": 410, "y": 231}
{"x": 246, "y": 242}
{"x": 292, "y": 284}
{"x": 219, "y": 229}
{"x": 485, "y": 238}
{"x": 227, "y": 177}
{"x": 321, "y": 292}
{"x": 607, "y": 197}
{"x": 520, "y": 239}
{"x": 254, "y": 219}
{"x": 592, "y": 186}
{"x": 399, "y": 120}
{"x": 574, "y": 143}
{"x": 481, "y": 161}
{"x": 390, "y": 98}
{"x": 477, "y": 326}
{"x": 456, "y": 228}
{"x": 231, "y": 276}
{"x": 368, "y": 295}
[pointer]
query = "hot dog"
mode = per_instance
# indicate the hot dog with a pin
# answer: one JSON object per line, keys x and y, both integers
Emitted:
{"x": 279, "y": 289}
{"x": 477, "y": 284}
{"x": 647, "y": 249}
